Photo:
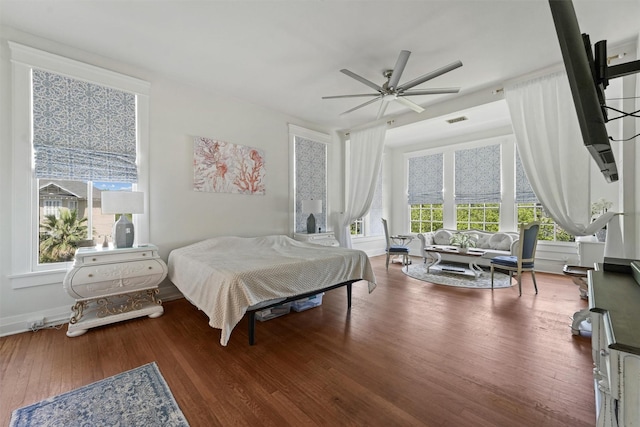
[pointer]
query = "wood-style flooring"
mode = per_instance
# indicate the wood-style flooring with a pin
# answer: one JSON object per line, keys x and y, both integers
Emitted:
{"x": 410, "y": 353}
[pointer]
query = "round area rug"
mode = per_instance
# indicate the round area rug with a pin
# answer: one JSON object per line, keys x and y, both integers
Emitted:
{"x": 419, "y": 271}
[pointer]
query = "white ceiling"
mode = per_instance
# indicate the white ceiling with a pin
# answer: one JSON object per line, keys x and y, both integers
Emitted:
{"x": 286, "y": 55}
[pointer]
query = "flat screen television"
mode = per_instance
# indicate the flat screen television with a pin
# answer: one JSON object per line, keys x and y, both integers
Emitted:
{"x": 588, "y": 77}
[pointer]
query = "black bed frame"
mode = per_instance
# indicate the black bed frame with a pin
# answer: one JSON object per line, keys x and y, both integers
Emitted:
{"x": 252, "y": 313}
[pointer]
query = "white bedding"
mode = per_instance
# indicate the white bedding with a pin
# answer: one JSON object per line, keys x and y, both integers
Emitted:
{"x": 224, "y": 276}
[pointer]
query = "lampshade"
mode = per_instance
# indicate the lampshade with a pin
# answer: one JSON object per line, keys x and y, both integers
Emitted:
{"x": 122, "y": 202}
{"x": 311, "y": 206}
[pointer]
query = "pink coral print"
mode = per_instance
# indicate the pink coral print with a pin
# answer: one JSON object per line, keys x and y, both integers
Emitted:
{"x": 222, "y": 167}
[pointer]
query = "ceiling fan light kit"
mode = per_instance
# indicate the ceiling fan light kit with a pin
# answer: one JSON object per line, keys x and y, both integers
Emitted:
{"x": 391, "y": 91}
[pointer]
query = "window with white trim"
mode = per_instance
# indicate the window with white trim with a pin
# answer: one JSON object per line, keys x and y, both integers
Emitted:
{"x": 471, "y": 198}
{"x": 43, "y": 83}
{"x": 477, "y": 188}
{"x": 425, "y": 193}
{"x": 530, "y": 209}
{"x": 371, "y": 224}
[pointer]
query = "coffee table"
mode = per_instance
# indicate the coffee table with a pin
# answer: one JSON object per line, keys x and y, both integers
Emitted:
{"x": 434, "y": 258}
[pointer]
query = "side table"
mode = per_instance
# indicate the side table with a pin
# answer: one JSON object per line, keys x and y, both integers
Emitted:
{"x": 113, "y": 284}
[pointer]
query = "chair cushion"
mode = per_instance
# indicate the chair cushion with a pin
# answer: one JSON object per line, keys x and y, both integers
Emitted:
{"x": 510, "y": 261}
{"x": 398, "y": 249}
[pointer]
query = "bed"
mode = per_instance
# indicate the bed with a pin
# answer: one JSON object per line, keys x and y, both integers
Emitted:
{"x": 227, "y": 277}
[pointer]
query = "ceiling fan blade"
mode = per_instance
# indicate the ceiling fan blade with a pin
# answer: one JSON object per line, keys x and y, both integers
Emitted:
{"x": 434, "y": 91}
{"x": 399, "y": 68}
{"x": 383, "y": 108}
{"x": 415, "y": 107}
{"x": 429, "y": 76}
{"x": 350, "y": 96}
{"x": 361, "y": 79}
{"x": 362, "y": 105}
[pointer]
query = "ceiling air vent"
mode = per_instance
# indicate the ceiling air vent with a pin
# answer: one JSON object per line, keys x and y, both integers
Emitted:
{"x": 457, "y": 119}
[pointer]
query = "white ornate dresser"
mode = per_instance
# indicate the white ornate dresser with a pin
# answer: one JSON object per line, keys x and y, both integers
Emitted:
{"x": 327, "y": 238}
{"x": 113, "y": 284}
{"x": 614, "y": 302}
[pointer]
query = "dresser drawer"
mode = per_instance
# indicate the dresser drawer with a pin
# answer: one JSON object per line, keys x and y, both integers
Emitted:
{"x": 108, "y": 279}
{"x": 98, "y": 258}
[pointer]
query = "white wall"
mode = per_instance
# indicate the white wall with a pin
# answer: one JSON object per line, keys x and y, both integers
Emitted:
{"x": 178, "y": 215}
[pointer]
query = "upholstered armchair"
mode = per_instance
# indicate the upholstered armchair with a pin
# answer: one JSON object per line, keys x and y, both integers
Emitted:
{"x": 394, "y": 250}
{"x": 525, "y": 256}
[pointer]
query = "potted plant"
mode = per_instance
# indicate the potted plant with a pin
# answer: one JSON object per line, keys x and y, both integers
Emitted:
{"x": 463, "y": 241}
{"x": 600, "y": 207}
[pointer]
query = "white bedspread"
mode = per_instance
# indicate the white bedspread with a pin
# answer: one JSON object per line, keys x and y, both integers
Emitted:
{"x": 224, "y": 276}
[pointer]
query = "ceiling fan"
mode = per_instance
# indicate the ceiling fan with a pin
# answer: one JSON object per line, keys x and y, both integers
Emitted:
{"x": 391, "y": 91}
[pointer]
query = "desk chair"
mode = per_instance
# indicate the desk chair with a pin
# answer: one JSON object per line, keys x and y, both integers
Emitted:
{"x": 393, "y": 250}
{"x": 524, "y": 258}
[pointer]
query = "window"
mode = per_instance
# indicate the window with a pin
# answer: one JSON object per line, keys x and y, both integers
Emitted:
{"x": 310, "y": 151}
{"x": 478, "y": 216}
{"x": 47, "y": 129}
{"x": 477, "y": 188}
{"x": 81, "y": 132}
{"x": 425, "y": 193}
{"x": 426, "y": 217}
{"x": 530, "y": 209}
{"x": 371, "y": 224}
{"x": 357, "y": 227}
{"x": 52, "y": 207}
{"x": 549, "y": 230}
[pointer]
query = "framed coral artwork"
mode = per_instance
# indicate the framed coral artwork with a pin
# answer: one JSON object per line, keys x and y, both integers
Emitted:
{"x": 222, "y": 167}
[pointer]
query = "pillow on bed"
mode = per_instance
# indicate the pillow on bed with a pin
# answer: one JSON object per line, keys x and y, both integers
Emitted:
{"x": 500, "y": 242}
{"x": 442, "y": 237}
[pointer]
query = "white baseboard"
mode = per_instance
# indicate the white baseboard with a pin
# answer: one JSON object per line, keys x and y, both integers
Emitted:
{"x": 54, "y": 317}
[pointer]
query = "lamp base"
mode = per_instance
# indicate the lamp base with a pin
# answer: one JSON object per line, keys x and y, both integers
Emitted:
{"x": 311, "y": 224}
{"x": 122, "y": 234}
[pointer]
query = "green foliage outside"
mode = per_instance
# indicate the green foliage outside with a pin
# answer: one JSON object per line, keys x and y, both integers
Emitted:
{"x": 548, "y": 229}
{"x": 483, "y": 216}
{"x": 59, "y": 237}
{"x": 427, "y": 218}
{"x": 356, "y": 228}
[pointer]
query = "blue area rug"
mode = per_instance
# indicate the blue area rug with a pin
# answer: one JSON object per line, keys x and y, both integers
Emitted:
{"x": 439, "y": 277}
{"x": 139, "y": 397}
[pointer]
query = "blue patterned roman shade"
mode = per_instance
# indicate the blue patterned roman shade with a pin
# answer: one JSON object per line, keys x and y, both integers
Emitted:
{"x": 425, "y": 180}
{"x": 524, "y": 192}
{"x": 477, "y": 172}
{"x": 83, "y": 131}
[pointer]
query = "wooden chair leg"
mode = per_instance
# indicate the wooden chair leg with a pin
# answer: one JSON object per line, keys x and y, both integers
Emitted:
{"x": 388, "y": 261}
{"x": 491, "y": 276}
{"x": 535, "y": 285}
{"x": 519, "y": 283}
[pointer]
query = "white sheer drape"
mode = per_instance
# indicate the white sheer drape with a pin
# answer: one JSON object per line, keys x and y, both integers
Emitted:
{"x": 365, "y": 159}
{"x": 552, "y": 151}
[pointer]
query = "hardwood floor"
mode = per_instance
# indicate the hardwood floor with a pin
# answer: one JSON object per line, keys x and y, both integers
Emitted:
{"x": 410, "y": 353}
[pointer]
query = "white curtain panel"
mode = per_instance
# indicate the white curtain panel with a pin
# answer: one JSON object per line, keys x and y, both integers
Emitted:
{"x": 365, "y": 160}
{"x": 552, "y": 151}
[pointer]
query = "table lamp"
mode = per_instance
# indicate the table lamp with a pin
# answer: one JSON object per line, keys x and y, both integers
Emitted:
{"x": 310, "y": 207}
{"x": 122, "y": 202}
